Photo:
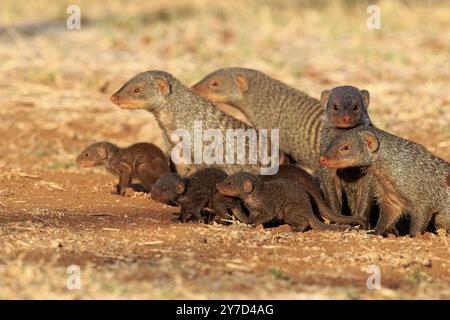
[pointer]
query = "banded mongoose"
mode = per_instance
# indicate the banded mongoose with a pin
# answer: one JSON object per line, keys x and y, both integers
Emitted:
{"x": 312, "y": 187}
{"x": 345, "y": 108}
{"x": 141, "y": 161}
{"x": 408, "y": 178}
{"x": 177, "y": 107}
{"x": 269, "y": 103}
{"x": 196, "y": 192}
{"x": 276, "y": 200}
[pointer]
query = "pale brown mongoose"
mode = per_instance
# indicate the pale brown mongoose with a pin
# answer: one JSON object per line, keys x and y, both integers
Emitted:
{"x": 176, "y": 107}
{"x": 345, "y": 108}
{"x": 409, "y": 179}
{"x": 269, "y": 103}
{"x": 141, "y": 161}
{"x": 196, "y": 192}
{"x": 276, "y": 200}
{"x": 312, "y": 187}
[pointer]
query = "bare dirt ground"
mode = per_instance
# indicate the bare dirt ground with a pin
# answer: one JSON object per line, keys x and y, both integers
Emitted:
{"x": 54, "y": 100}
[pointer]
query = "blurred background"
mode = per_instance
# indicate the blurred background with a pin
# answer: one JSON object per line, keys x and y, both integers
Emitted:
{"x": 56, "y": 82}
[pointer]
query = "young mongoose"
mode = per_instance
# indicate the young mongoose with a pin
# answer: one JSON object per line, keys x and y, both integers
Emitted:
{"x": 345, "y": 108}
{"x": 196, "y": 192}
{"x": 141, "y": 161}
{"x": 409, "y": 179}
{"x": 276, "y": 200}
{"x": 269, "y": 103}
{"x": 177, "y": 107}
{"x": 312, "y": 187}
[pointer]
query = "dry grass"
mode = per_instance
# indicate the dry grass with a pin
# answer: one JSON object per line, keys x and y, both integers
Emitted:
{"x": 54, "y": 99}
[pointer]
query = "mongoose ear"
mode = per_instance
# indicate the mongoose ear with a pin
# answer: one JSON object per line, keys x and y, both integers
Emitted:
{"x": 248, "y": 186}
{"x": 102, "y": 153}
{"x": 163, "y": 86}
{"x": 371, "y": 141}
{"x": 324, "y": 97}
{"x": 242, "y": 82}
{"x": 366, "y": 96}
{"x": 180, "y": 187}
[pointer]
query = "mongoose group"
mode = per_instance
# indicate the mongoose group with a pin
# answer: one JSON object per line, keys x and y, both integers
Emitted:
{"x": 355, "y": 166}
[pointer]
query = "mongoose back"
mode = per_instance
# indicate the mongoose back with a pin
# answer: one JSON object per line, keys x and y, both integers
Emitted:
{"x": 276, "y": 200}
{"x": 141, "y": 161}
{"x": 269, "y": 103}
{"x": 196, "y": 192}
{"x": 312, "y": 187}
{"x": 409, "y": 179}
{"x": 345, "y": 108}
{"x": 177, "y": 107}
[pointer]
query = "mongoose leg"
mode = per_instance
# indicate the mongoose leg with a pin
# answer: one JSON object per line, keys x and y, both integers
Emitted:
{"x": 196, "y": 210}
{"x": 219, "y": 204}
{"x": 257, "y": 217}
{"x": 388, "y": 216}
{"x": 125, "y": 178}
{"x": 332, "y": 194}
{"x": 147, "y": 176}
{"x": 443, "y": 221}
{"x": 297, "y": 221}
{"x": 183, "y": 215}
{"x": 419, "y": 223}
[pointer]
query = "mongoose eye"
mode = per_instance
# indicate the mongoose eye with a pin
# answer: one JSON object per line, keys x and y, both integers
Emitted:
{"x": 137, "y": 90}
{"x": 230, "y": 183}
{"x": 335, "y": 107}
{"x": 86, "y": 155}
{"x": 214, "y": 84}
{"x": 344, "y": 148}
{"x": 355, "y": 107}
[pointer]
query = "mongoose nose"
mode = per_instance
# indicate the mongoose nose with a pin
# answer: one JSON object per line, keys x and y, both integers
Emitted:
{"x": 323, "y": 159}
{"x": 346, "y": 119}
{"x": 114, "y": 99}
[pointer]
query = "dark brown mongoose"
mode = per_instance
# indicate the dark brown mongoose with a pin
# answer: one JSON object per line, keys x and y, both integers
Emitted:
{"x": 345, "y": 108}
{"x": 276, "y": 200}
{"x": 141, "y": 161}
{"x": 196, "y": 192}
{"x": 312, "y": 187}
{"x": 269, "y": 103}
{"x": 409, "y": 179}
{"x": 177, "y": 107}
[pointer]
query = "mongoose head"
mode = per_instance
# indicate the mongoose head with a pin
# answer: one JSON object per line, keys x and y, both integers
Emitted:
{"x": 352, "y": 149}
{"x": 240, "y": 184}
{"x": 96, "y": 154}
{"x": 168, "y": 188}
{"x": 147, "y": 90}
{"x": 223, "y": 86}
{"x": 345, "y": 106}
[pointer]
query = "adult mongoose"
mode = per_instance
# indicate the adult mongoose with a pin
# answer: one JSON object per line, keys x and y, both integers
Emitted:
{"x": 269, "y": 103}
{"x": 196, "y": 192}
{"x": 409, "y": 179}
{"x": 345, "y": 109}
{"x": 276, "y": 200}
{"x": 176, "y": 107}
{"x": 141, "y": 161}
{"x": 312, "y": 187}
